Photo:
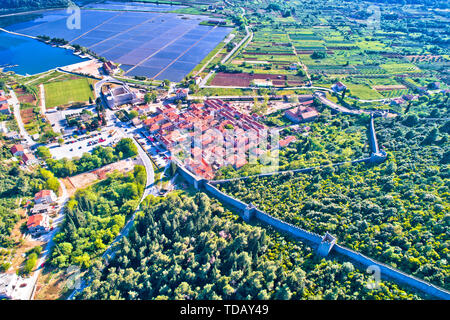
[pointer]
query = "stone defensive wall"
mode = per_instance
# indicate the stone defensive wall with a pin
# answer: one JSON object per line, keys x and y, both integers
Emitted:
{"x": 303, "y": 170}
{"x": 321, "y": 244}
{"x": 376, "y": 156}
{"x": 373, "y": 137}
{"x": 392, "y": 273}
{"x": 298, "y": 233}
{"x": 223, "y": 197}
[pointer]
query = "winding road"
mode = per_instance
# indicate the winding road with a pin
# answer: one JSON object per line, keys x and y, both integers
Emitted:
{"x": 16, "y": 105}
{"x": 149, "y": 189}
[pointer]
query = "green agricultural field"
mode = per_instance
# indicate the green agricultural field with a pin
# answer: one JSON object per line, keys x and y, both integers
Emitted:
{"x": 373, "y": 46}
{"x": 222, "y": 92}
{"x": 65, "y": 92}
{"x": 399, "y": 67}
{"x": 362, "y": 91}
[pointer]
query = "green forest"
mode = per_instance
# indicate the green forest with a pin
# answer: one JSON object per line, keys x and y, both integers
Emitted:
{"x": 329, "y": 139}
{"x": 95, "y": 216}
{"x": 397, "y": 212}
{"x": 191, "y": 247}
{"x": 15, "y": 184}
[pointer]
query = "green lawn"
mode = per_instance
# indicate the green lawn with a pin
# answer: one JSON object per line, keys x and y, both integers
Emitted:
{"x": 362, "y": 91}
{"x": 65, "y": 92}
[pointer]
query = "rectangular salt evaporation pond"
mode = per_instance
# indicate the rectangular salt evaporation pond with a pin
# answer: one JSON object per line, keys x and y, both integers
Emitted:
{"x": 189, "y": 54}
{"x": 151, "y": 43}
{"x": 28, "y": 56}
{"x": 149, "y": 72}
{"x": 177, "y": 71}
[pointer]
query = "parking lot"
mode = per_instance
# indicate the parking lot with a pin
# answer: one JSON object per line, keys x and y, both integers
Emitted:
{"x": 158, "y": 153}
{"x": 76, "y": 147}
{"x": 109, "y": 135}
{"x": 57, "y": 118}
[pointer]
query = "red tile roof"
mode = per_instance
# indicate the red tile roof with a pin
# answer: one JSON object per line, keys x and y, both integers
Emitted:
{"x": 27, "y": 157}
{"x": 42, "y": 193}
{"x": 286, "y": 141}
{"x": 16, "y": 148}
{"x": 35, "y": 221}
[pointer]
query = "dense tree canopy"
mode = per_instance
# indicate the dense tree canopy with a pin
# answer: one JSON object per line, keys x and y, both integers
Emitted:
{"x": 95, "y": 216}
{"x": 191, "y": 248}
{"x": 397, "y": 212}
{"x": 16, "y": 183}
{"x": 99, "y": 156}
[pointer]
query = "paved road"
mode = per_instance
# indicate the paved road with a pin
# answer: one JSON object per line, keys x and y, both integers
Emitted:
{"x": 233, "y": 51}
{"x": 226, "y": 41}
{"x": 225, "y": 59}
{"x": 338, "y": 107}
{"x": 16, "y": 104}
{"x": 149, "y": 189}
{"x": 98, "y": 85}
{"x": 42, "y": 96}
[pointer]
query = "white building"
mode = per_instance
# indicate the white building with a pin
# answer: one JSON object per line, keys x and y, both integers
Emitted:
{"x": 182, "y": 93}
{"x": 38, "y": 224}
{"x": 45, "y": 196}
{"x": 29, "y": 159}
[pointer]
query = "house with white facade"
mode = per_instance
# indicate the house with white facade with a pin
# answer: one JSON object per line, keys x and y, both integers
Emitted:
{"x": 45, "y": 196}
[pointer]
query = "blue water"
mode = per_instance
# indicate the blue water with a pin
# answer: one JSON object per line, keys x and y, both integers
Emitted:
{"x": 32, "y": 56}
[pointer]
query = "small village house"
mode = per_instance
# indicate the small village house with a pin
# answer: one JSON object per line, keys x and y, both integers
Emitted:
{"x": 4, "y": 108}
{"x": 29, "y": 159}
{"x": 338, "y": 87}
{"x": 38, "y": 224}
{"x": 181, "y": 94}
{"x": 17, "y": 150}
{"x": 45, "y": 196}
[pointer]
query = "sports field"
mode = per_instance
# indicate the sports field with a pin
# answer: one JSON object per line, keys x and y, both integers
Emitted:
{"x": 65, "y": 92}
